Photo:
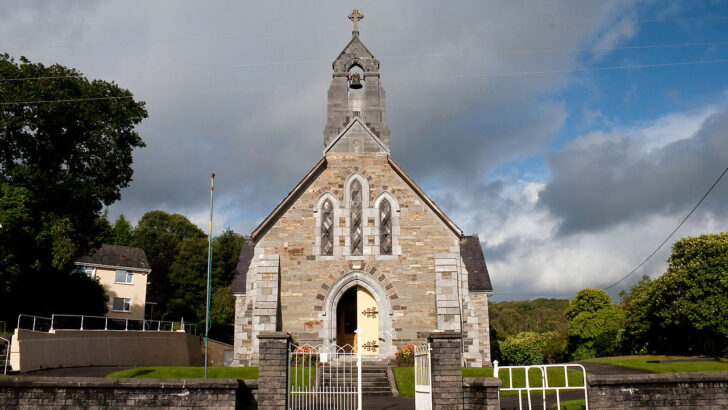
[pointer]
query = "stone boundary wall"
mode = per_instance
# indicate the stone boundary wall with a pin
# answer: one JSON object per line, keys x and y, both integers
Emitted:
{"x": 481, "y": 393}
{"x": 94, "y": 392}
{"x": 32, "y": 350}
{"x": 665, "y": 391}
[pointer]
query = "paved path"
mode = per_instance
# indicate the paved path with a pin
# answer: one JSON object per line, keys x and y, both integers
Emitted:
{"x": 388, "y": 403}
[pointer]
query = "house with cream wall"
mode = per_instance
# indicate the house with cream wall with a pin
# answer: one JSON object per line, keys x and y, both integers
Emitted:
{"x": 123, "y": 272}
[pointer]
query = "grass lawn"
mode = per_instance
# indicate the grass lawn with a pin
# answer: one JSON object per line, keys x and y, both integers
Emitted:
{"x": 405, "y": 378}
{"x": 173, "y": 372}
{"x": 640, "y": 362}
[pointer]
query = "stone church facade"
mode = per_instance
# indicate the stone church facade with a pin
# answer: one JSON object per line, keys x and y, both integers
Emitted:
{"x": 357, "y": 244}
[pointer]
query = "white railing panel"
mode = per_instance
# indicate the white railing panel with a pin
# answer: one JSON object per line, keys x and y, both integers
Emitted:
{"x": 423, "y": 377}
{"x": 324, "y": 377}
{"x": 546, "y": 386}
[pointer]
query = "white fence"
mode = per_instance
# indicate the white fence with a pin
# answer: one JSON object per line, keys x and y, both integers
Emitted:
{"x": 6, "y": 353}
{"x": 423, "y": 378}
{"x": 325, "y": 377}
{"x": 83, "y": 322}
{"x": 546, "y": 384}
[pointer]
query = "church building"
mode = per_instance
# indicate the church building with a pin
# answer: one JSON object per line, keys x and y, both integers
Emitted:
{"x": 357, "y": 244}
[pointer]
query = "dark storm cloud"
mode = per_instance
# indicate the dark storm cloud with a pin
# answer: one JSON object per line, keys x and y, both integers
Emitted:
{"x": 605, "y": 179}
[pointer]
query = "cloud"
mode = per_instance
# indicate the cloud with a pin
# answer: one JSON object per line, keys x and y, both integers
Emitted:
{"x": 622, "y": 30}
{"x": 259, "y": 127}
{"x": 602, "y": 179}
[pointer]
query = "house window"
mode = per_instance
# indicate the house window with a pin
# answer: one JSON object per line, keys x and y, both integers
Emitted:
{"x": 385, "y": 228}
{"x": 121, "y": 305}
{"x": 123, "y": 276}
{"x": 327, "y": 228}
{"x": 357, "y": 244}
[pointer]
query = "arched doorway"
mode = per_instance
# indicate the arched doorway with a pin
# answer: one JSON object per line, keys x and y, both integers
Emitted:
{"x": 358, "y": 309}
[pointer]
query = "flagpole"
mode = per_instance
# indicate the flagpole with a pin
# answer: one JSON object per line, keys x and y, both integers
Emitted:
{"x": 209, "y": 273}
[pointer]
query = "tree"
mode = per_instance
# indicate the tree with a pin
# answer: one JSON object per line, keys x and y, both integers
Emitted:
{"x": 225, "y": 255}
{"x": 524, "y": 348}
{"x": 684, "y": 311}
{"x": 188, "y": 276}
{"x": 60, "y": 164}
{"x": 594, "y": 324}
{"x": 122, "y": 232}
{"x": 160, "y": 234}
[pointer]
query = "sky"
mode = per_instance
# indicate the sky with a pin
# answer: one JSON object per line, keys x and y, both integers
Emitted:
{"x": 571, "y": 136}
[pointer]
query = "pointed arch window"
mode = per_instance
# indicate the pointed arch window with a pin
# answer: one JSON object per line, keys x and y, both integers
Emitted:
{"x": 327, "y": 228}
{"x": 385, "y": 228}
{"x": 357, "y": 243}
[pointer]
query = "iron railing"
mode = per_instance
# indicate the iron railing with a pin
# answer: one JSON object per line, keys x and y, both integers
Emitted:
{"x": 84, "y": 322}
{"x": 546, "y": 385}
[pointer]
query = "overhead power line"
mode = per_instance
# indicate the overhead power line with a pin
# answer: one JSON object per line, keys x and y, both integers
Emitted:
{"x": 518, "y": 73}
{"x": 445, "y": 55}
{"x": 672, "y": 233}
{"x": 370, "y": 28}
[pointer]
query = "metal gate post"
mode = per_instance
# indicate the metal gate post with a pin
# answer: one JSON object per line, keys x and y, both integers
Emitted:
{"x": 358, "y": 368}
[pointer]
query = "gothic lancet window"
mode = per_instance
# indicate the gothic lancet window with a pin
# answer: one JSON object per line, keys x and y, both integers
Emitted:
{"x": 357, "y": 244}
{"x": 327, "y": 228}
{"x": 385, "y": 228}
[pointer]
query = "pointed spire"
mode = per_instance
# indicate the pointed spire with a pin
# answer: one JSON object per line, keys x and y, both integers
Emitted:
{"x": 355, "y": 16}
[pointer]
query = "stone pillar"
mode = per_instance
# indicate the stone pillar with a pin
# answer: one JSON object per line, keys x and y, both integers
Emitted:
{"x": 273, "y": 370}
{"x": 446, "y": 369}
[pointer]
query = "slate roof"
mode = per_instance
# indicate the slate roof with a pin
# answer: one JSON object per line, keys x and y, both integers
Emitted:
{"x": 117, "y": 256}
{"x": 472, "y": 254}
{"x": 241, "y": 275}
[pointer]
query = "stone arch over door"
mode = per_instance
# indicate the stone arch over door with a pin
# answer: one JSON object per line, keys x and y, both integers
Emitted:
{"x": 384, "y": 304}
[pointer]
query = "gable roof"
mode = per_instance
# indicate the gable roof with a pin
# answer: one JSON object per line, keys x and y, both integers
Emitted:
{"x": 241, "y": 270}
{"x": 366, "y": 130}
{"x": 424, "y": 197}
{"x": 353, "y": 43}
{"x": 288, "y": 200}
{"x": 317, "y": 169}
{"x": 472, "y": 254}
{"x": 114, "y": 256}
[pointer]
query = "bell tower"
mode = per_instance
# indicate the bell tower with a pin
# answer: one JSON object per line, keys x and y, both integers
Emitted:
{"x": 355, "y": 90}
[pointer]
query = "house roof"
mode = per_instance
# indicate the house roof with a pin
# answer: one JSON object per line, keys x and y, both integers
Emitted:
{"x": 115, "y": 256}
{"x": 241, "y": 270}
{"x": 472, "y": 254}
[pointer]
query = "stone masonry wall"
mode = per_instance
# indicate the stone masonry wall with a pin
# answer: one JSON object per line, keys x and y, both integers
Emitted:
{"x": 481, "y": 393}
{"x": 92, "y": 392}
{"x": 664, "y": 391}
{"x": 408, "y": 276}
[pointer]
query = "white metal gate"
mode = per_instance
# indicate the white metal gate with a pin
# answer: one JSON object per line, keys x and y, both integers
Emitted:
{"x": 324, "y": 377}
{"x": 545, "y": 377}
{"x": 423, "y": 379}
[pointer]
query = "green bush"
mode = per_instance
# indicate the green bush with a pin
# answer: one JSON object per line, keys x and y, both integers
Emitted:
{"x": 524, "y": 348}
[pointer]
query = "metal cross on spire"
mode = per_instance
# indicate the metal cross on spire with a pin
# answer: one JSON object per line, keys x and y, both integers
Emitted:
{"x": 355, "y": 16}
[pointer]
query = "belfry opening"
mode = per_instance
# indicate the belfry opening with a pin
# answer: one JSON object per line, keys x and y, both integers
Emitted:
{"x": 357, "y": 317}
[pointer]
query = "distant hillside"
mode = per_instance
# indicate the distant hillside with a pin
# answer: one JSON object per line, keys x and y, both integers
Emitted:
{"x": 538, "y": 315}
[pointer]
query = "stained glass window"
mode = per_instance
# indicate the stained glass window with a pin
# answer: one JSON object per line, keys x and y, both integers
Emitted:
{"x": 357, "y": 244}
{"x": 385, "y": 228}
{"x": 327, "y": 228}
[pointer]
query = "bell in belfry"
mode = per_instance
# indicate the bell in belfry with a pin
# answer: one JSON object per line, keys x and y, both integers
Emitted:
{"x": 355, "y": 81}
